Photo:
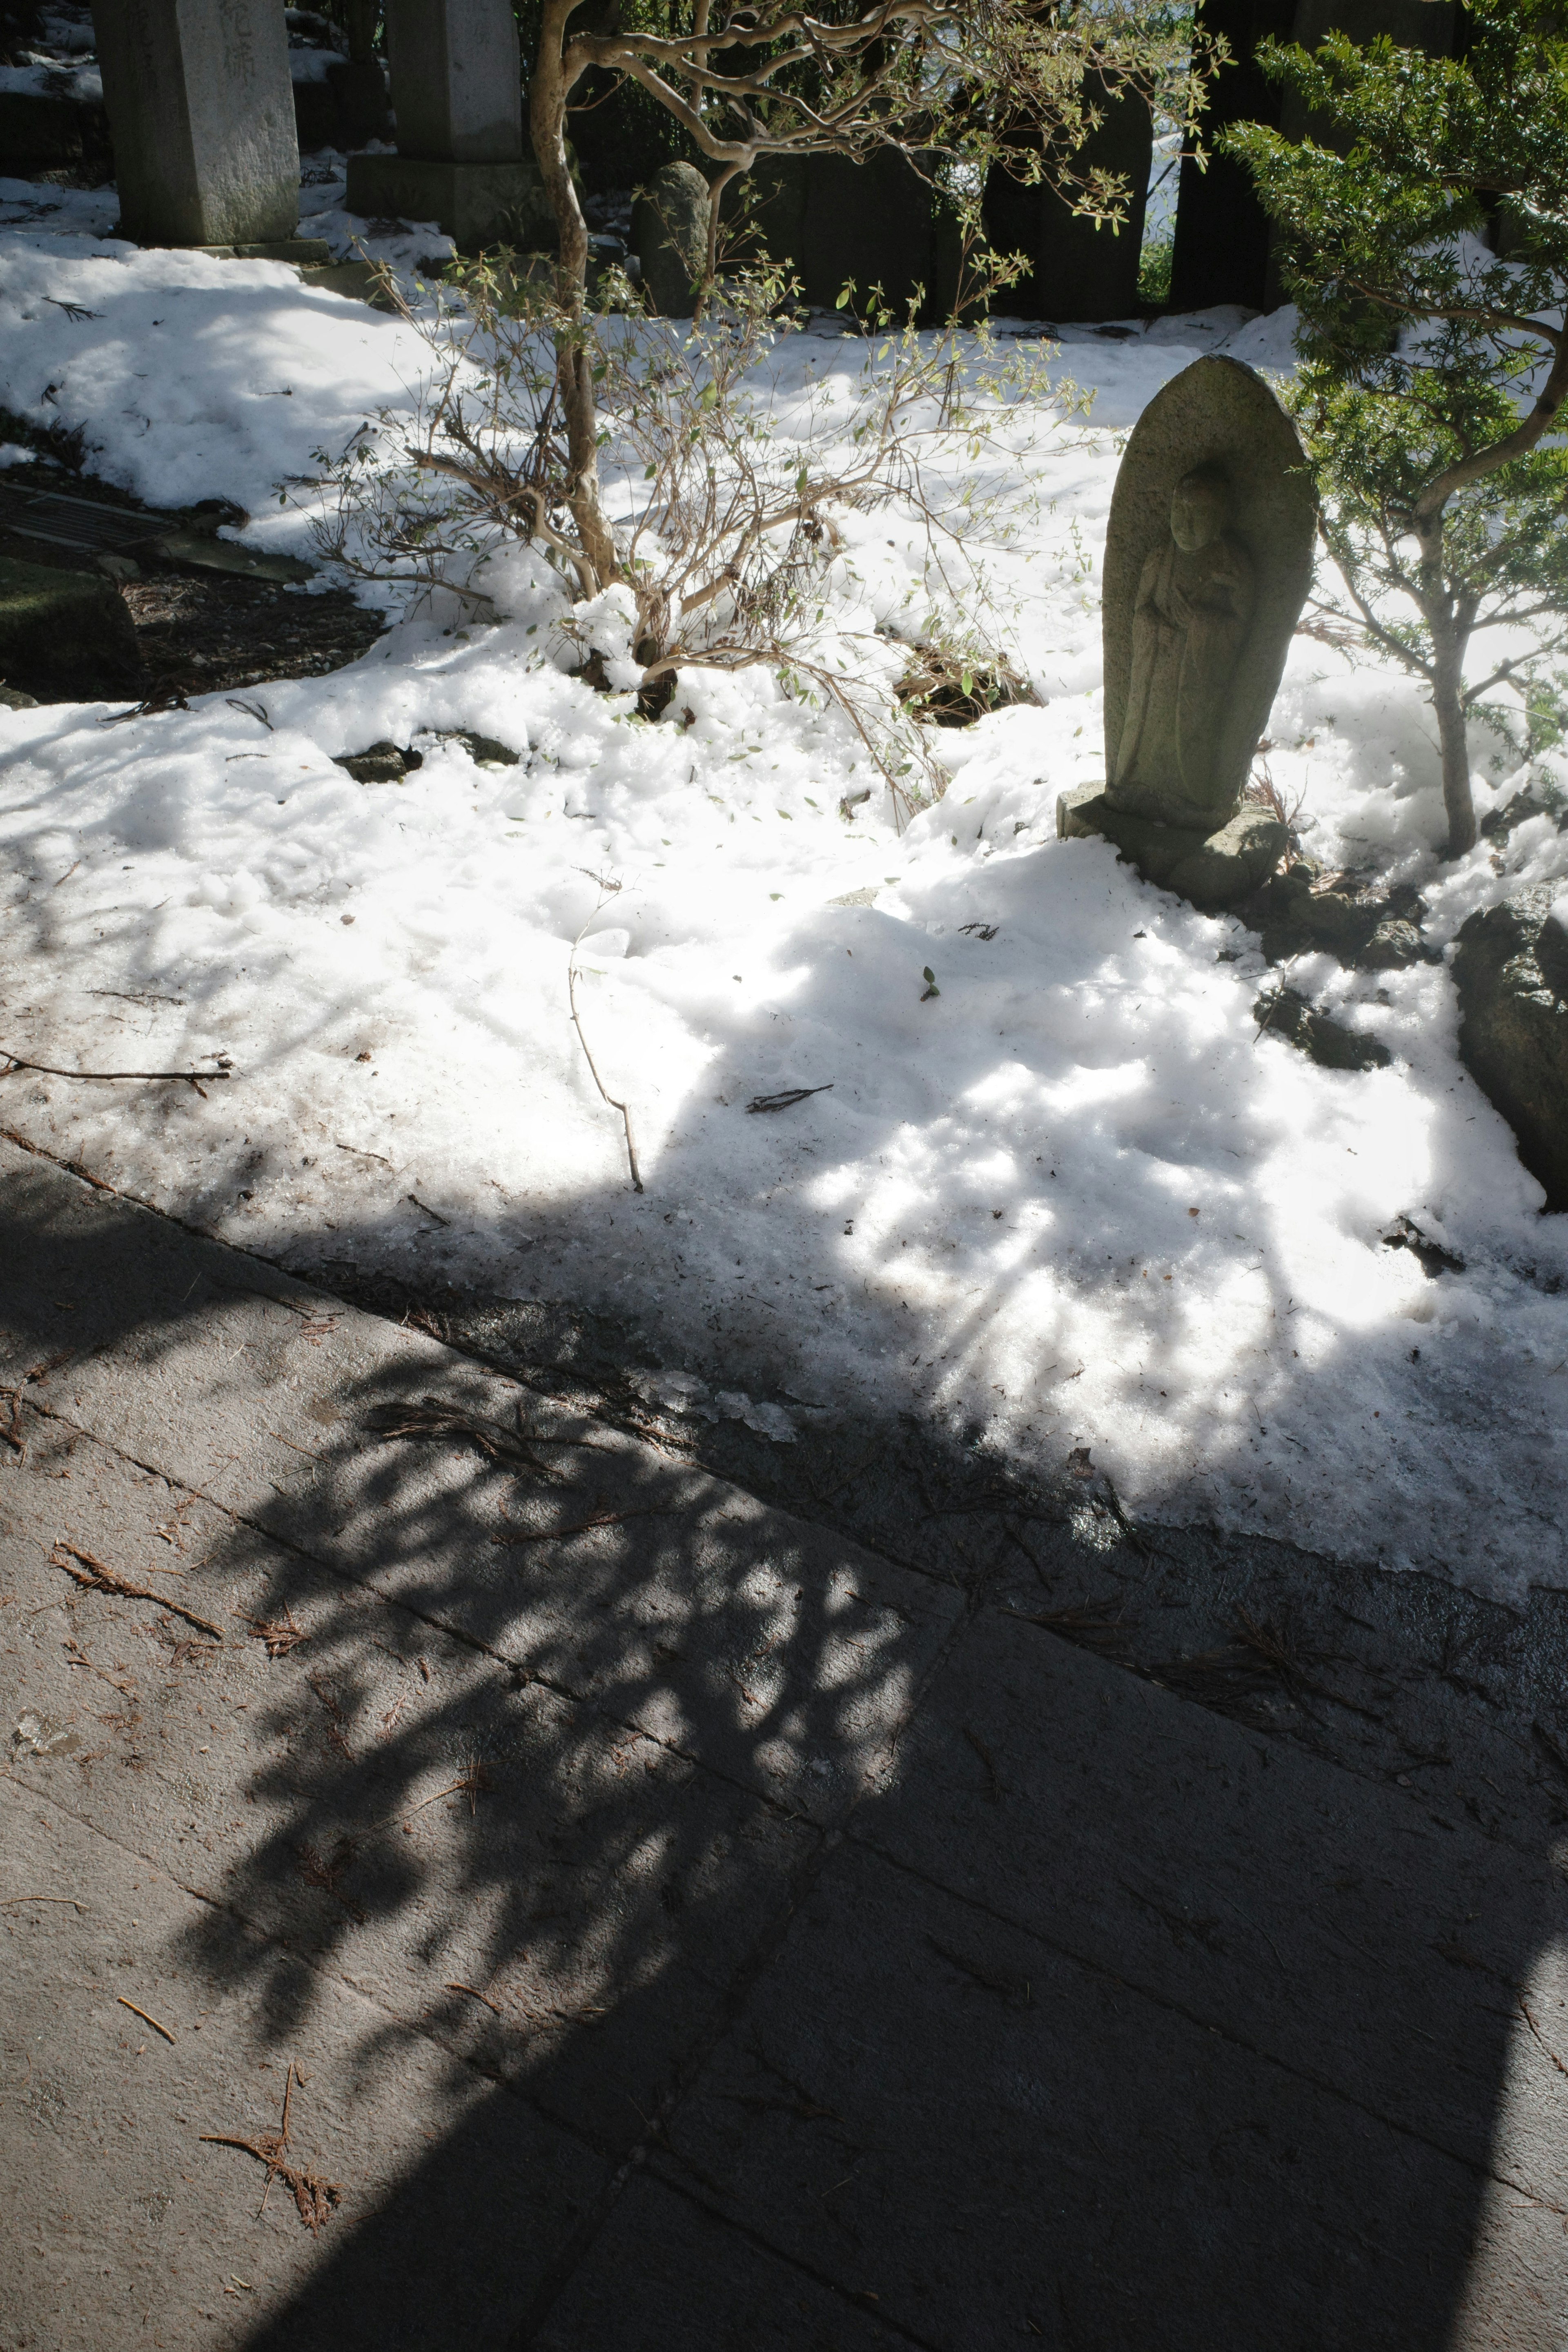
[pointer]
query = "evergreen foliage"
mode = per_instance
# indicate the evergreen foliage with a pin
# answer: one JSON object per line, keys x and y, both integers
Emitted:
{"x": 1424, "y": 235}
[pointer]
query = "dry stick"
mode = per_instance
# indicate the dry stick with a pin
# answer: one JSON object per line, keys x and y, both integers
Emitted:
{"x": 47, "y": 1070}
{"x": 108, "y": 1579}
{"x": 9, "y": 1899}
{"x": 313, "y": 2197}
{"x": 586, "y": 1526}
{"x": 472, "y": 1995}
{"x": 588, "y": 1055}
{"x": 142, "y": 2013}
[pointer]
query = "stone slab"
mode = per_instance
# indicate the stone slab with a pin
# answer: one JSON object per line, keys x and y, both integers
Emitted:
{"x": 985, "y": 2141}
{"x": 476, "y": 203}
{"x": 771, "y": 1650}
{"x": 200, "y": 109}
{"x": 1219, "y": 413}
{"x": 123, "y": 2228}
{"x": 665, "y": 2276}
{"x": 380, "y": 1799}
{"x": 1243, "y": 1882}
{"x": 1054, "y": 2007}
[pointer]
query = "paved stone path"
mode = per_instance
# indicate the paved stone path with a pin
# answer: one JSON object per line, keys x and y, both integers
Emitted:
{"x": 670, "y": 1924}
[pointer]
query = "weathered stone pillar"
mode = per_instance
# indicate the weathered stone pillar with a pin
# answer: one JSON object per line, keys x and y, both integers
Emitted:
{"x": 1222, "y": 231}
{"x": 1077, "y": 271}
{"x": 457, "y": 91}
{"x": 201, "y": 111}
{"x": 829, "y": 219}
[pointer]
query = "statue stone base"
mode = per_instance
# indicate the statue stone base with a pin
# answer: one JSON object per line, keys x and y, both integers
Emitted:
{"x": 476, "y": 203}
{"x": 1216, "y": 870}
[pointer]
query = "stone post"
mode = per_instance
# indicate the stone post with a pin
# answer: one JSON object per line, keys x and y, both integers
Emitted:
{"x": 1077, "y": 272}
{"x": 829, "y": 219}
{"x": 457, "y": 91}
{"x": 1222, "y": 231}
{"x": 201, "y": 111}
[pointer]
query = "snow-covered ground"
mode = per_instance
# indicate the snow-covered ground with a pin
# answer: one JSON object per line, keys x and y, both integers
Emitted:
{"x": 1072, "y": 1198}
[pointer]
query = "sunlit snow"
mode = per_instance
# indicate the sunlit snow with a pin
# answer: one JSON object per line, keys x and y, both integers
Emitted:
{"x": 1072, "y": 1198}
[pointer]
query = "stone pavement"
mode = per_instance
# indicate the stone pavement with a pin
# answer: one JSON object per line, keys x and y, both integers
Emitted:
{"x": 669, "y": 1924}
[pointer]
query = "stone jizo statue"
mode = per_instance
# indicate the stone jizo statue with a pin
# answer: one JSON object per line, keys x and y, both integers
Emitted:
{"x": 1208, "y": 560}
{"x": 1189, "y": 623}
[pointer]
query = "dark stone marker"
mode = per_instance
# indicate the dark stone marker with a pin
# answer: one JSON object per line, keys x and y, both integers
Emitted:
{"x": 65, "y": 635}
{"x": 38, "y": 133}
{"x": 1222, "y": 231}
{"x": 1511, "y": 969}
{"x": 670, "y": 237}
{"x": 456, "y": 87}
{"x": 1208, "y": 560}
{"x": 201, "y": 108}
{"x": 1076, "y": 270}
{"x": 829, "y": 219}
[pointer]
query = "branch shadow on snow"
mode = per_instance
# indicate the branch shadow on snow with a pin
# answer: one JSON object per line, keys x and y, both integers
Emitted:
{"x": 568, "y": 1759}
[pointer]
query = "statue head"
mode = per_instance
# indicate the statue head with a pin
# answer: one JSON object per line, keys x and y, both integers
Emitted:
{"x": 1200, "y": 507}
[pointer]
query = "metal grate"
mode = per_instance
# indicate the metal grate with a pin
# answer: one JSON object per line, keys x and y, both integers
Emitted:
{"x": 76, "y": 523}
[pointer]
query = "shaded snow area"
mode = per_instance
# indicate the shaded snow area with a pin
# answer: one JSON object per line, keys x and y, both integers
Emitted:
{"x": 1071, "y": 1198}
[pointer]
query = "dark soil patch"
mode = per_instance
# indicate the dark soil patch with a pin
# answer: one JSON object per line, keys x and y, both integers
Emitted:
{"x": 202, "y": 632}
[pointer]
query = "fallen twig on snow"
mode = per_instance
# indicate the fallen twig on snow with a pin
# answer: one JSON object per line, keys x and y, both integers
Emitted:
{"x": 97, "y": 1577}
{"x": 788, "y": 1098}
{"x": 182, "y": 1077}
{"x": 588, "y": 1054}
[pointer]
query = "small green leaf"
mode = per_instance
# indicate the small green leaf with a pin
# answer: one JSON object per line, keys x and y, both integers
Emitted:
{"x": 929, "y": 974}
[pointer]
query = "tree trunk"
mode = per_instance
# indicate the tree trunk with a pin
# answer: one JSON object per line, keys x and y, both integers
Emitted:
{"x": 1447, "y": 701}
{"x": 573, "y": 350}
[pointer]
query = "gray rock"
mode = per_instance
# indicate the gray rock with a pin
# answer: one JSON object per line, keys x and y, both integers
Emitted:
{"x": 1511, "y": 969}
{"x": 1284, "y": 1013}
{"x": 1207, "y": 563}
{"x": 669, "y": 237}
{"x": 381, "y": 763}
{"x": 1393, "y": 945}
{"x": 67, "y": 632}
{"x": 1215, "y": 870}
{"x": 201, "y": 107}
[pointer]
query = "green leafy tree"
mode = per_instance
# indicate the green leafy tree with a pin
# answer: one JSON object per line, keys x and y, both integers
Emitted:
{"x": 1427, "y": 248}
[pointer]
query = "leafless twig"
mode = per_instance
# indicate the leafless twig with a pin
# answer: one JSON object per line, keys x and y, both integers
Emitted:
{"x": 97, "y": 1577}
{"x": 588, "y": 1054}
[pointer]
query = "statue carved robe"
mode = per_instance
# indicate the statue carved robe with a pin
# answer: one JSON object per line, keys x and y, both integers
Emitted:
{"x": 1190, "y": 622}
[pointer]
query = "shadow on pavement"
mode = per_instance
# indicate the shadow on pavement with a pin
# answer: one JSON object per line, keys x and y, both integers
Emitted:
{"x": 895, "y": 1971}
